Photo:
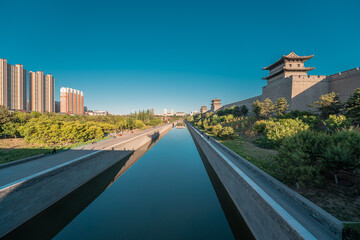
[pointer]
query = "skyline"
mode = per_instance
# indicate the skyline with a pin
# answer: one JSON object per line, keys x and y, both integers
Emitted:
{"x": 128, "y": 57}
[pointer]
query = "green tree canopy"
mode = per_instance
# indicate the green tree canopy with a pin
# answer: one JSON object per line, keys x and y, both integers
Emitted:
{"x": 244, "y": 110}
{"x": 281, "y": 106}
{"x": 328, "y": 104}
{"x": 267, "y": 108}
{"x": 353, "y": 106}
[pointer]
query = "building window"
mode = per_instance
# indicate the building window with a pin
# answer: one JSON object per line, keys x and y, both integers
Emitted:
{"x": 290, "y": 65}
{"x": 298, "y": 65}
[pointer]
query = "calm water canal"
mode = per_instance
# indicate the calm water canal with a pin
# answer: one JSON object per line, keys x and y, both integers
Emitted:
{"x": 166, "y": 194}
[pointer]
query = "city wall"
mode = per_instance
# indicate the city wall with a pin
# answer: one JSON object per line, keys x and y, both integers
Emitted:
{"x": 25, "y": 199}
{"x": 246, "y": 102}
{"x": 300, "y": 91}
{"x": 345, "y": 83}
{"x": 265, "y": 217}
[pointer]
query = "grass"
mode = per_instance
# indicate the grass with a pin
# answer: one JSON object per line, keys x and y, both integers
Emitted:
{"x": 351, "y": 231}
{"x": 14, "y": 149}
{"x": 262, "y": 158}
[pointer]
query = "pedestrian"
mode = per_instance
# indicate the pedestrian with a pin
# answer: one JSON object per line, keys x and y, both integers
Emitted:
{"x": 54, "y": 151}
{"x": 208, "y": 138}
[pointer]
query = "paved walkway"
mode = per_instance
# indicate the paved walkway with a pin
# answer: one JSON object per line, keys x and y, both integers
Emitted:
{"x": 13, "y": 173}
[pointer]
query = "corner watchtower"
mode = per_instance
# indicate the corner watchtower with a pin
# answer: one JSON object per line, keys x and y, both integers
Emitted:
{"x": 287, "y": 66}
{"x": 215, "y": 104}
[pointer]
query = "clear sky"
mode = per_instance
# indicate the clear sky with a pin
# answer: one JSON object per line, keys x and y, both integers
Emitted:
{"x": 130, "y": 55}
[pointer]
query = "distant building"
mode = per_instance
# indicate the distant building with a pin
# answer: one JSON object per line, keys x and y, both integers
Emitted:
{"x": 192, "y": 113}
{"x": 57, "y": 106}
{"x": 165, "y": 111}
{"x": 172, "y": 111}
{"x": 180, "y": 114}
{"x": 71, "y": 101}
{"x": 85, "y": 109}
{"x": 97, "y": 113}
{"x": 203, "y": 109}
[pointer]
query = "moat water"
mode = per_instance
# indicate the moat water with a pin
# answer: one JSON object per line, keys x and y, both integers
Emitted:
{"x": 165, "y": 194}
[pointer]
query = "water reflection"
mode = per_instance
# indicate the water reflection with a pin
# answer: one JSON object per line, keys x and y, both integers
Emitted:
{"x": 236, "y": 221}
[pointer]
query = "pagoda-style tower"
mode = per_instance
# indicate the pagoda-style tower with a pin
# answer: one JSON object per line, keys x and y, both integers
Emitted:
{"x": 203, "y": 109}
{"x": 215, "y": 104}
{"x": 287, "y": 66}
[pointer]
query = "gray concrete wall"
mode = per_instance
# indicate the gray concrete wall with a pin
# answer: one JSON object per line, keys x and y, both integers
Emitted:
{"x": 26, "y": 198}
{"x": 267, "y": 218}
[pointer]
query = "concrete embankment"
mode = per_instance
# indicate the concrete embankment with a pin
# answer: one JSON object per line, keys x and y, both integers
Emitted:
{"x": 270, "y": 209}
{"x": 24, "y": 198}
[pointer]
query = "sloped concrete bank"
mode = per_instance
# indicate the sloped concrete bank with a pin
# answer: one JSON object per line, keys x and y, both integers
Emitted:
{"x": 270, "y": 209}
{"x": 27, "y": 197}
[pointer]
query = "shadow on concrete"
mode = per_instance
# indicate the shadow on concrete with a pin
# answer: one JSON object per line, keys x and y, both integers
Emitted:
{"x": 308, "y": 96}
{"x": 52, "y": 220}
{"x": 237, "y": 224}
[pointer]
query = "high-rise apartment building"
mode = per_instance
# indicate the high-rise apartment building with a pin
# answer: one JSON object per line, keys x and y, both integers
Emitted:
{"x": 19, "y": 88}
{"x": 49, "y": 96}
{"x": 71, "y": 101}
{"x": 12, "y": 85}
{"x": 37, "y": 91}
{"x": 4, "y": 83}
{"x": 41, "y": 92}
{"x": 13, "y": 89}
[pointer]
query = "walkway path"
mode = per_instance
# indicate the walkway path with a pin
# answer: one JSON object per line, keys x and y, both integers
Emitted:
{"x": 15, "y": 172}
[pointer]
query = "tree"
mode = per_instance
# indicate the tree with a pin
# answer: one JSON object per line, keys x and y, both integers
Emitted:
{"x": 236, "y": 112}
{"x": 244, "y": 110}
{"x": 281, "y": 106}
{"x": 216, "y": 129}
{"x": 267, "y": 109}
{"x": 227, "y": 133}
{"x": 11, "y": 129}
{"x": 257, "y": 105}
{"x": 36, "y": 114}
{"x": 328, "y": 104}
{"x": 352, "y": 106}
{"x": 5, "y": 115}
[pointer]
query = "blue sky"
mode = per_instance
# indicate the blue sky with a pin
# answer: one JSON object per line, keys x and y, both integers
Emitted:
{"x": 130, "y": 55}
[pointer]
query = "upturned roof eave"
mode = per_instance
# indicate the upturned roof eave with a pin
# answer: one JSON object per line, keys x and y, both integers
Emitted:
{"x": 288, "y": 58}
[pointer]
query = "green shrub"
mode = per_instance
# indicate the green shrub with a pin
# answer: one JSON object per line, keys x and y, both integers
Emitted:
{"x": 336, "y": 122}
{"x": 351, "y": 231}
{"x": 139, "y": 124}
{"x": 227, "y": 133}
{"x": 308, "y": 156}
{"x": 217, "y": 129}
{"x": 313, "y": 121}
{"x": 342, "y": 152}
{"x": 299, "y": 158}
{"x": 260, "y": 126}
{"x": 276, "y": 130}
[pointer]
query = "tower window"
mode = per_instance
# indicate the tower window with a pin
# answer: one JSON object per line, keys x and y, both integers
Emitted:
{"x": 290, "y": 65}
{"x": 298, "y": 65}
